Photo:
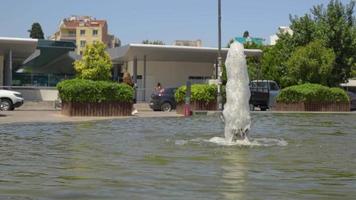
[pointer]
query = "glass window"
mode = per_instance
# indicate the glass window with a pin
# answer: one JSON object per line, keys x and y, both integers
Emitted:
{"x": 82, "y": 32}
{"x": 274, "y": 86}
{"x": 83, "y": 43}
{"x": 95, "y": 32}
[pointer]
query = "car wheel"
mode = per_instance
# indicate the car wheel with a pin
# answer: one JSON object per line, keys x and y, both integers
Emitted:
{"x": 6, "y": 105}
{"x": 166, "y": 107}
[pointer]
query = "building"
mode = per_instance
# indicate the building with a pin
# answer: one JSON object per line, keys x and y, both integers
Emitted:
{"x": 83, "y": 30}
{"x": 281, "y": 30}
{"x": 170, "y": 65}
{"x": 33, "y": 62}
{"x": 188, "y": 43}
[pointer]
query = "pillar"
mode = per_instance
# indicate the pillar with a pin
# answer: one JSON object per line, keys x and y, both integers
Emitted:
{"x": 1, "y": 70}
{"x": 8, "y": 70}
{"x": 144, "y": 76}
{"x": 135, "y": 76}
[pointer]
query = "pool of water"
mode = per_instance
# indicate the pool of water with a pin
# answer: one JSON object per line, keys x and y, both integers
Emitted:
{"x": 171, "y": 158}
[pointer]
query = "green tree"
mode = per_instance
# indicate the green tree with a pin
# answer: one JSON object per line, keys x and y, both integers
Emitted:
{"x": 95, "y": 64}
{"x": 273, "y": 61}
{"x": 334, "y": 25}
{"x": 310, "y": 64}
{"x": 36, "y": 31}
{"x": 154, "y": 42}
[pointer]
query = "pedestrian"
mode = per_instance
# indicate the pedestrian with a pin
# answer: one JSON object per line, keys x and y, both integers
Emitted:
{"x": 128, "y": 80}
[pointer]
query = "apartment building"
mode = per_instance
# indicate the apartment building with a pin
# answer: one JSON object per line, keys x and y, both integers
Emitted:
{"x": 83, "y": 30}
{"x": 188, "y": 43}
{"x": 281, "y": 30}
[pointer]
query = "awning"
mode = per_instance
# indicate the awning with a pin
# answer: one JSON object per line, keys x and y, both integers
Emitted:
{"x": 52, "y": 57}
{"x": 21, "y": 48}
{"x": 170, "y": 53}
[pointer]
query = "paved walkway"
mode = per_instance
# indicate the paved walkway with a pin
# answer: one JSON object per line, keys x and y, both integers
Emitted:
{"x": 32, "y": 112}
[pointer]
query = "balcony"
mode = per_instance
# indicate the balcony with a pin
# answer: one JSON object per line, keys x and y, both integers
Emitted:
{"x": 68, "y": 36}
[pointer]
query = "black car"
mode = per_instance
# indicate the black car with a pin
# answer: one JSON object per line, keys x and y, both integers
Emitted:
{"x": 163, "y": 100}
{"x": 352, "y": 96}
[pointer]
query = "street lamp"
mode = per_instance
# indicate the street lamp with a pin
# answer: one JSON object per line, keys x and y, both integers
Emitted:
{"x": 219, "y": 97}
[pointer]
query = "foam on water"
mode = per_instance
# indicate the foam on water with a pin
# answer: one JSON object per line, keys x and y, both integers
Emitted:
{"x": 251, "y": 142}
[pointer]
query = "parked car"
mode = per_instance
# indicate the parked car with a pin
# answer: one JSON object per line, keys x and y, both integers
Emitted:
{"x": 163, "y": 100}
{"x": 263, "y": 94}
{"x": 10, "y": 100}
{"x": 352, "y": 96}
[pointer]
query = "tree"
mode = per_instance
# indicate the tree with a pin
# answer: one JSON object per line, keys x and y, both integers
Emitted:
{"x": 95, "y": 64}
{"x": 155, "y": 42}
{"x": 334, "y": 26}
{"x": 36, "y": 31}
{"x": 310, "y": 64}
{"x": 246, "y": 34}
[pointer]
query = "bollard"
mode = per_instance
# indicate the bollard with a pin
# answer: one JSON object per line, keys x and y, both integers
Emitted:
{"x": 187, "y": 111}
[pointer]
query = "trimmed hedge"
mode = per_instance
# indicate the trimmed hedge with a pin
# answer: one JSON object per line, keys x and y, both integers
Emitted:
{"x": 199, "y": 92}
{"x": 312, "y": 93}
{"x": 80, "y": 90}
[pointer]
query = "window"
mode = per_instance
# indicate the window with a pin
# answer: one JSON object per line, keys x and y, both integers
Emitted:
{"x": 82, "y": 32}
{"x": 95, "y": 32}
{"x": 83, "y": 43}
{"x": 274, "y": 86}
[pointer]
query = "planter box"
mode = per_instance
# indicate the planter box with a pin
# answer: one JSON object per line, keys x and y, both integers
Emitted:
{"x": 313, "y": 107}
{"x": 97, "y": 109}
{"x": 197, "y": 105}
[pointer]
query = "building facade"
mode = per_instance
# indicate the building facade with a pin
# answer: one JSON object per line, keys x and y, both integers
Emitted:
{"x": 188, "y": 43}
{"x": 83, "y": 30}
{"x": 281, "y": 30}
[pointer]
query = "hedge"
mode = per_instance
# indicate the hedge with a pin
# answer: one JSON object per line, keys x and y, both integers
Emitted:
{"x": 312, "y": 93}
{"x": 199, "y": 92}
{"x": 80, "y": 90}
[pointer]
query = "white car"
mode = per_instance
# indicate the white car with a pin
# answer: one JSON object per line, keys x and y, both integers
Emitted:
{"x": 10, "y": 100}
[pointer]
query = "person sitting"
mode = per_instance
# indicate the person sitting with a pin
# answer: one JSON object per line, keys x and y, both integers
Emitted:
{"x": 159, "y": 88}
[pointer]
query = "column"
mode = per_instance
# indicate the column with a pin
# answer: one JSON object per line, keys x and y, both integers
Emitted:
{"x": 144, "y": 77}
{"x": 8, "y": 70}
{"x": 1, "y": 70}
{"x": 135, "y": 77}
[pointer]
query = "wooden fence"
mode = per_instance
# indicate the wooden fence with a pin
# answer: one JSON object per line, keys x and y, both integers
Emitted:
{"x": 313, "y": 107}
{"x": 97, "y": 109}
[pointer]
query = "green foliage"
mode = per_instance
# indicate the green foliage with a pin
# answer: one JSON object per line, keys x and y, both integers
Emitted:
{"x": 36, "y": 31}
{"x": 253, "y": 63}
{"x": 155, "y": 42}
{"x": 310, "y": 64}
{"x": 334, "y": 25}
{"x": 95, "y": 64}
{"x": 80, "y": 90}
{"x": 199, "y": 92}
{"x": 312, "y": 93}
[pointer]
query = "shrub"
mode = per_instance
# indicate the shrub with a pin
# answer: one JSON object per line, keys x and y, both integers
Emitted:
{"x": 312, "y": 93}
{"x": 199, "y": 92}
{"x": 95, "y": 64}
{"x": 80, "y": 90}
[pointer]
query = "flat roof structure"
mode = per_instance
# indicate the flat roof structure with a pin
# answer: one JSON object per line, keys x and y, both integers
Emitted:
{"x": 42, "y": 56}
{"x": 171, "y": 53}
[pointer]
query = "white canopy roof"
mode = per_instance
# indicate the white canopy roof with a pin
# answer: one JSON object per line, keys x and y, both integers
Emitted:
{"x": 20, "y": 47}
{"x": 170, "y": 53}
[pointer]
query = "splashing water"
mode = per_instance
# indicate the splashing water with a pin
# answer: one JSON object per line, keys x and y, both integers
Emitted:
{"x": 237, "y": 110}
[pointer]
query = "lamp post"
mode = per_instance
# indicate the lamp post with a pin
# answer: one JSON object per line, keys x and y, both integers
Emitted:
{"x": 219, "y": 97}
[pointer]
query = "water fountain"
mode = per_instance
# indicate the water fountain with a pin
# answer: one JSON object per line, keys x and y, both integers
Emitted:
{"x": 236, "y": 111}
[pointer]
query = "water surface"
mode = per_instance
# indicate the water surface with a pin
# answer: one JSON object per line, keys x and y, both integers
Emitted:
{"x": 169, "y": 158}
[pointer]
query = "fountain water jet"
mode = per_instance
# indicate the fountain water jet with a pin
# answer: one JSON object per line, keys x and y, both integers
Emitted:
{"x": 237, "y": 109}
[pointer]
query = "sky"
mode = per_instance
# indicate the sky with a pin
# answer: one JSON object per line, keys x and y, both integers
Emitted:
{"x": 136, "y": 20}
